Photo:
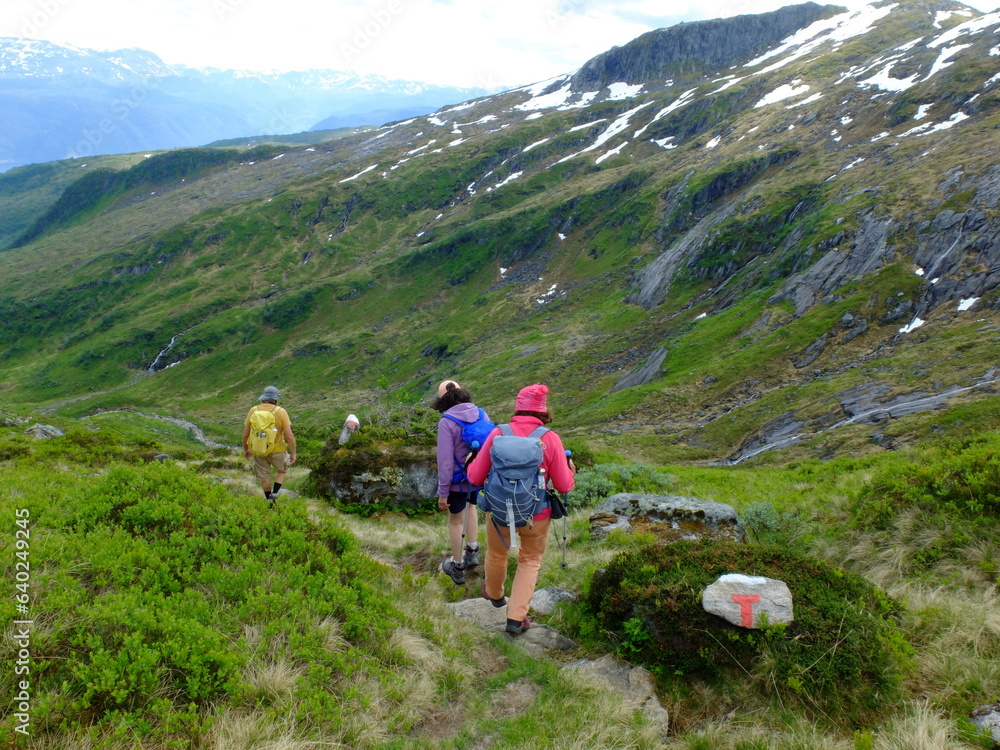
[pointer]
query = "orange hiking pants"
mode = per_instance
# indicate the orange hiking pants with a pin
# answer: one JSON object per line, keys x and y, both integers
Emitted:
{"x": 533, "y": 540}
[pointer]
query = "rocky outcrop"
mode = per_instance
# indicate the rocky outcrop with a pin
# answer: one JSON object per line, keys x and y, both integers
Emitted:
{"x": 403, "y": 485}
{"x": 646, "y": 373}
{"x": 669, "y": 518}
{"x": 688, "y": 48}
{"x": 868, "y": 251}
{"x": 634, "y": 684}
{"x": 43, "y": 431}
{"x": 691, "y": 219}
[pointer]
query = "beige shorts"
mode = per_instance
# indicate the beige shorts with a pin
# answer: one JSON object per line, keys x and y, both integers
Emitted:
{"x": 262, "y": 465}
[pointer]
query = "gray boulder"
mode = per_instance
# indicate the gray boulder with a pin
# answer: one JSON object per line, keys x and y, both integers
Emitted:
{"x": 536, "y": 640}
{"x": 634, "y": 684}
{"x": 670, "y": 518}
{"x": 987, "y": 718}
{"x": 405, "y": 485}
{"x": 544, "y": 601}
{"x": 43, "y": 431}
{"x": 741, "y": 600}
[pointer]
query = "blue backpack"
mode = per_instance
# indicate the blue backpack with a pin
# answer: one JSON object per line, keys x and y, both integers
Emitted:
{"x": 474, "y": 435}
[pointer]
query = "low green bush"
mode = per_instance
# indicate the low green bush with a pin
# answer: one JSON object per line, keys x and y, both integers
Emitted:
{"x": 601, "y": 481}
{"x": 766, "y": 524}
{"x": 145, "y": 582}
{"x": 842, "y": 657}
{"x": 959, "y": 480}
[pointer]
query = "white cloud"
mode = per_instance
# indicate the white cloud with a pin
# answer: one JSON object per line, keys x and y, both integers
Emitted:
{"x": 470, "y": 43}
{"x": 474, "y": 43}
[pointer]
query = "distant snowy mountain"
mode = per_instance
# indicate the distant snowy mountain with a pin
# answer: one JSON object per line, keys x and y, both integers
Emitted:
{"x": 59, "y": 101}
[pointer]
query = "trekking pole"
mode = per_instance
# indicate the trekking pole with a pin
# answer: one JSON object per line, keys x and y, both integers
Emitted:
{"x": 565, "y": 514}
{"x": 468, "y": 497}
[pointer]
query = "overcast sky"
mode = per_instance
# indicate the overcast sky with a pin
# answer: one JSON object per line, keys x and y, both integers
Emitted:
{"x": 484, "y": 43}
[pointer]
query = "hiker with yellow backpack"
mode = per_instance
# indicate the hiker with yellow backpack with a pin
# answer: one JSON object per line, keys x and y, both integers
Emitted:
{"x": 268, "y": 439}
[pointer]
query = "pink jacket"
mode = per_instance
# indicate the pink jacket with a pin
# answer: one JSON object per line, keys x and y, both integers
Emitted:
{"x": 554, "y": 461}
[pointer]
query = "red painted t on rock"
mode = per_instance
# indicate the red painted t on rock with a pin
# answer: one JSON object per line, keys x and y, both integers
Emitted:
{"x": 746, "y": 602}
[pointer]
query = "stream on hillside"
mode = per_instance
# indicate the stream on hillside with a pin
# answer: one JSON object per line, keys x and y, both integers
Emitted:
{"x": 195, "y": 430}
{"x": 786, "y": 430}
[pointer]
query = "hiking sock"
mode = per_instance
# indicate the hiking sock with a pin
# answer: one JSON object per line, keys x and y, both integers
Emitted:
{"x": 277, "y": 486}
{"x": 267, "y": 494}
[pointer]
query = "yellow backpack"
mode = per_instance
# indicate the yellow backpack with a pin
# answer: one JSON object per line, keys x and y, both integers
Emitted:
{"x": 263, "y": 431}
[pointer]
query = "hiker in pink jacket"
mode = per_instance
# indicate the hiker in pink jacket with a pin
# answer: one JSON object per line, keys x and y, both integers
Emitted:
{"x": 530, "y": 411}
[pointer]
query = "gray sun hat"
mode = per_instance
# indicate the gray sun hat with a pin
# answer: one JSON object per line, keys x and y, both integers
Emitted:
{"x": 270, "y": 394}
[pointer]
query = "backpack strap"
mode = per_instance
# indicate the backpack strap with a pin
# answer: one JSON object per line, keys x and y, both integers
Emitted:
{"x": 459, "y": 475}
{"x": 506, "y": 429}
{"x": 538, "y": 431}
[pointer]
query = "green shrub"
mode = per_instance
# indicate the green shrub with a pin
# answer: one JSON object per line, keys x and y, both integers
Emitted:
{"x": 147, "y": 579}
{"x": 842, "y": 656}
{"x": 764, "y": 523}
{"x": 14, "y": 448}
{"x": 957, "y": 480}
{"x": 604, "y": 480}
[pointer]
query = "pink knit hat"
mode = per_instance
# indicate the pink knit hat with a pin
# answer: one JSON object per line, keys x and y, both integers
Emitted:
{"x": 532, "y": 398}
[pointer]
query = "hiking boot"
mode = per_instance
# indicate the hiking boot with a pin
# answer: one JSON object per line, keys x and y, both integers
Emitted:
{"x": 516, "y": 628}
{"x": 501, "y": 602}
{"x": 454, "y": 571}
{"x": 471, "y": 557}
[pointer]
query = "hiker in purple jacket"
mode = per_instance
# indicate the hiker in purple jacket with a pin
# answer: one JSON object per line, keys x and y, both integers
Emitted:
{"x": 455, "y": 494}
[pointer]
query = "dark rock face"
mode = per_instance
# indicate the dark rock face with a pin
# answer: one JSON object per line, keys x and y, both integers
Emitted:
{"x": 688, "y": 48}
{"x": 691, "y": 218}
{"x": 646, "y": 373}
{"x": 869, "y": 251}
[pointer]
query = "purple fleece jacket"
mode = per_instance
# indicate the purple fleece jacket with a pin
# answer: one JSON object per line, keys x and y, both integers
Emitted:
{"x": 450, "y": 446}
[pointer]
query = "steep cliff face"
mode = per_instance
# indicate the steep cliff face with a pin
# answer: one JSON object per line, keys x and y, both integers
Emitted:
{"x": 689, "y": 49}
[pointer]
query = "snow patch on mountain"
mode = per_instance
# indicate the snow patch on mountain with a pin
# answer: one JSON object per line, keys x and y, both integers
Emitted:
{"x": 786, "y": 91}
{"x": 837, "y": 30}
{"x": 944, "y": 59}
{"x": 359, "y": 174}
{"x": 886, "y": 82}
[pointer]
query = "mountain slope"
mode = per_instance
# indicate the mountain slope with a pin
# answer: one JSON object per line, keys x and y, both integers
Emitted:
{"x": 793, "y": 251}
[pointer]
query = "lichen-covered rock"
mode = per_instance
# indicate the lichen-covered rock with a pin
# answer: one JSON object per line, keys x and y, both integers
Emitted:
{"x": 371, "y": 476}
{"x": 670, "y": 518}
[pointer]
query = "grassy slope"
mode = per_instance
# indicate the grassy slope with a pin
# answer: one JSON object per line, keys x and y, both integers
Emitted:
{"x": 430, "y": 680}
